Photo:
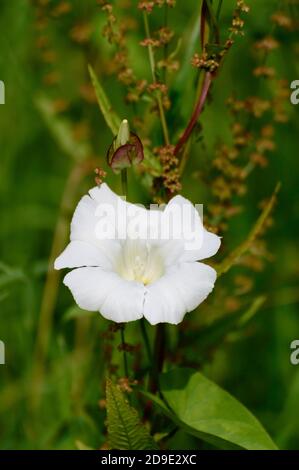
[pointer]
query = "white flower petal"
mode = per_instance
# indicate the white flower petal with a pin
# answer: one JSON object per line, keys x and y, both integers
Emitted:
{"x": 177, "y": 213}
{"x": 105, "y": 210}
{"x": 86, "y": 217}
{"x": 171, "y": 251}
{"x": 180, "y": 290}
{"x": 84, "y": 220}
{"x": 79, "y": 253}
{"x": 196, "y": 242}
{"x": 85, "y": 224}
{"x": 209, "y": 247}
{"x": 116, "y": 299}
{"x": 104, "y": 195}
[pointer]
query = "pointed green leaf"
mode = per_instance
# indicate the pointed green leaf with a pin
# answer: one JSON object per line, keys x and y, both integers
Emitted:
{"x": 111, "y": 118}
{"x": 209, "y": 412}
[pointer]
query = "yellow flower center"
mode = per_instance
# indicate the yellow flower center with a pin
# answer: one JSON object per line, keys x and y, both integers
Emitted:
{"x": 139, "y": 262}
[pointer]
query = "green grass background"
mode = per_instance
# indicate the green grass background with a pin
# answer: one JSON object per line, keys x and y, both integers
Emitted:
{"x": 33, "y": 172}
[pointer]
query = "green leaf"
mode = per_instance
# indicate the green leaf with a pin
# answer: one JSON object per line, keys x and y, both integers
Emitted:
{"x": 125, "y": 431}
{"x": 210, "y": 413}
{"x": 111, "y": 118}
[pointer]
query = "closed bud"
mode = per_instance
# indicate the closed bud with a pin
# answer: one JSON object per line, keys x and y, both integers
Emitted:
{"x": 125, "y": 150}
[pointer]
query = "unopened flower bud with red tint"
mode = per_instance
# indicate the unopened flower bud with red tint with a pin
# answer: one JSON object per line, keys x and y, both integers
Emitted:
{"x": 126, "y": 149}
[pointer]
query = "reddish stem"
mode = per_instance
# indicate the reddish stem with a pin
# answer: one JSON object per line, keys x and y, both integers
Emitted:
{"x": 196, "y": 113}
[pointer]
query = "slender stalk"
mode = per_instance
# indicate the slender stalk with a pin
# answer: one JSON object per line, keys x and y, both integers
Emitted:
{"x": 157, "y": 366}
{"x": 165, "y": 48}
{"x": 150, "y": 48}
{"x": 163, "y": 119}
{"x": 200, "y": 100}
{"x": 123, "y": 343}
{"x": 124, "y": 181}
{"x": 196, "y": 113}
{"x": 219, "y": 9}
{"x": 146, "y": 341}
{"x": 213, "y": 21}
{"x": 159, "y": 355}
{"x": 153, "y": 71}
{"x": 184, "y": 159}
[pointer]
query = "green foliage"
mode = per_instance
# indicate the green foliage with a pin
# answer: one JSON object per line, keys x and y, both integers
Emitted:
{"x": 111, "y": 118}
{"x": 81, "y": 446}
{"x": 76, "y": 312}
{"x": 125, "y": 431}
{"x": 214, "y": 334}
{"x": 236, "y": 254}
{"x": 61, "y": 130}
{"x": 113, "y": 121}
{"x": 47, "y": 129}
{"x": 205, "y": 410}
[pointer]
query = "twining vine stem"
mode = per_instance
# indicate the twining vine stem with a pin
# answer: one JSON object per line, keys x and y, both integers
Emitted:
{"x": 196, "y": 113}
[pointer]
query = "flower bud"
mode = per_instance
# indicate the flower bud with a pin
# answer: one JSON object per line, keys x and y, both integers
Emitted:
{"x": 125, "y": 150}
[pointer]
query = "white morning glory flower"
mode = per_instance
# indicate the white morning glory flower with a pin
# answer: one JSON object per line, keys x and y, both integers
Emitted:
{"x": 132, "y": 262}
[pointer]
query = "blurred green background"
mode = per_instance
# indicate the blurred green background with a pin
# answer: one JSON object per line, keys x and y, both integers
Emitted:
{"x": 52, "y": 137}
